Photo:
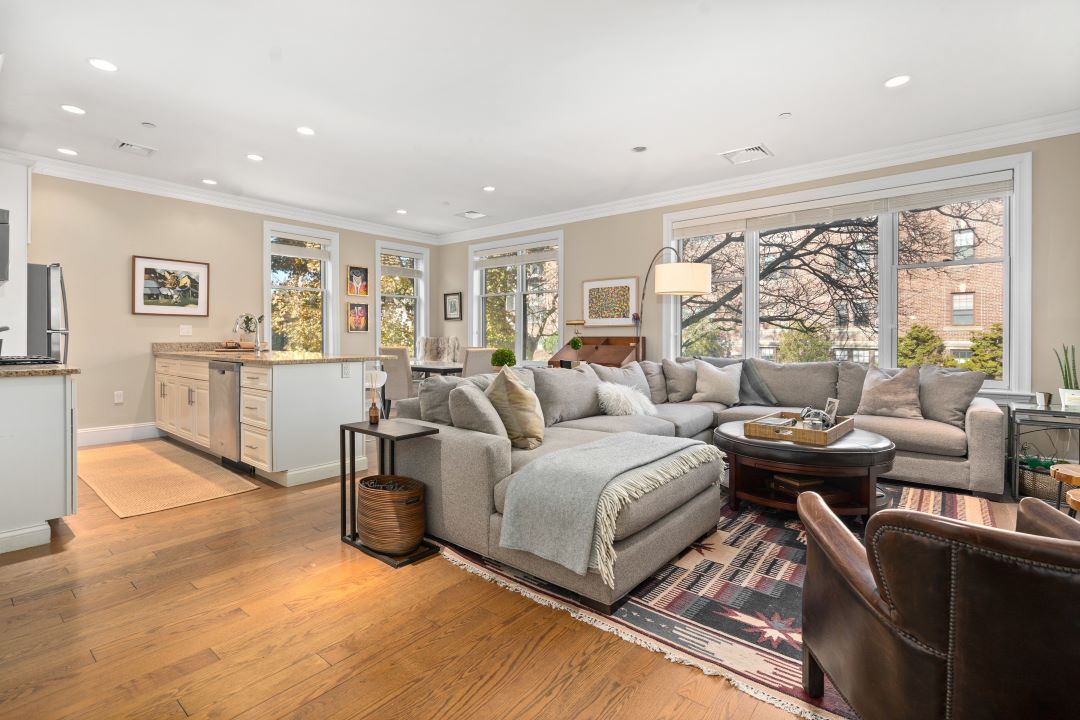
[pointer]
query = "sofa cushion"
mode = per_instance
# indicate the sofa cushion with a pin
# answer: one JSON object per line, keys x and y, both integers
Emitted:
{"x": 750, "y": 412}
{"x": 645, "y": 424}
{"x": 800, "y": 385}
{"x": 470, "y": 409}
{"x": 891, "y": 395}
{"x": 434, "y": 397}
{"x": 945, "y": 394}
{"x": 518, "y": 408}
{"x": 641, "y": 512}
{"x": 654, "y": 375}
{"x": 752, "y": 388}
{"x": 567, "y": 394}
{"x": 484, "y": 380}
{"x": 849, "y": 382}
{"x": 917, "y": 435}
{"x": 555, "y": 438}
{"x": 688, "y": 418}
{"x": 681, "y": 380}
{"x": 717, "y": 384}
{"x": 631, "y": 375}
{"x": 616, "y": 399}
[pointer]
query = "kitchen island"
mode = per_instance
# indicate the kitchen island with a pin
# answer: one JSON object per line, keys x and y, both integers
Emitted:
{"x": 290, "y": 406}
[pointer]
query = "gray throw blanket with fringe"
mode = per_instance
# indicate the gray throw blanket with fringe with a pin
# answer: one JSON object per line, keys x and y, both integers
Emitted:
{"x": 563, "y": 506}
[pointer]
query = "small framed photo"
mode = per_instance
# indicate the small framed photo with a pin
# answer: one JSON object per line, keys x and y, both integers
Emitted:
{"x": 170, "y": 287}
{"x": 358, "y": 281}
{"x": 610, "y": 302}
{"x": 357, "y": 317}
{"x": 451, "y": 306}
{"x": 831, "y": 406}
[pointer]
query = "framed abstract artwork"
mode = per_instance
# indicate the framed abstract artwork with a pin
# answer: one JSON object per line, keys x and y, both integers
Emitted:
{"x": 356, "y": 315}
{"x": 358, "y": 281}
{"x": 170, "y": 287}
{"x": 610, "y": 302}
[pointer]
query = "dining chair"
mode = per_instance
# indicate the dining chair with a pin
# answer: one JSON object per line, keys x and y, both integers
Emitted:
{"x": 440, "y": 349}
{"x": 399, "y": 381}
{"x": 477, "y": 361}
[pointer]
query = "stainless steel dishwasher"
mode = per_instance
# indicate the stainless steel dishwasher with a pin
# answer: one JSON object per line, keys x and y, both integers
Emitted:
{"x": 225, "y": 409}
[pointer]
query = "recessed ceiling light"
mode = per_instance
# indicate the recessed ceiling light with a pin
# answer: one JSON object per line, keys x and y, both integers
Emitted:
{"x": 73, "y": 109}
{"x": 783, "y": 116}
{"x": 402, "y": 211}
{"x": 103, "y": 65}
{"x": 255, "y": 158}
{"x": 895, "y": 82}
{"x": 305, "y": 130}
{"x": 66, "y": 151}
{"x": 208, "y": 181}
{"x": 489, "y": 188}
{"x": 639, "y": 148}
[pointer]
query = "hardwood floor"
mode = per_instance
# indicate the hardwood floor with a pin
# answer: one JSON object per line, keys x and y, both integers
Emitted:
{"x": 251, "y": 607}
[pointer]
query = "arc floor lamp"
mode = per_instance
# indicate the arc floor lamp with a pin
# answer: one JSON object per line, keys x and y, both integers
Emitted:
{"x": 674, "y": 278}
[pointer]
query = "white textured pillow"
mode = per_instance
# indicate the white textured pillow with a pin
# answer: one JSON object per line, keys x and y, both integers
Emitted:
{"x": 616, "y": 399}
{"x": 717, "y": 384}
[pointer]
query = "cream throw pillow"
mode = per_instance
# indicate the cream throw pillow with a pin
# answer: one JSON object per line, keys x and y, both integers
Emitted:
{"x": 617, "y": 399}
{"x": 717, "y": 384}
{"x": 518, "y": 408}
{"x": 895, "y": 396}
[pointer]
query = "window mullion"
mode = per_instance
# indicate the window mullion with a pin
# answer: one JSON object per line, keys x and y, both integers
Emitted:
{"x": 751, "y": 295}
{"x": 888, "y": 257}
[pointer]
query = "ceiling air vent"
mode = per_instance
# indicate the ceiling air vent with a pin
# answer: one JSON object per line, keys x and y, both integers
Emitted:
{"x": 746, "y": 154}
{"x": 471, "y": 214}
{"x": 140, "y": 150}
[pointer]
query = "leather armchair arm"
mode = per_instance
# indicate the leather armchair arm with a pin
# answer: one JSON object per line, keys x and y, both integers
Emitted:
{"x": 1034, "y": 517}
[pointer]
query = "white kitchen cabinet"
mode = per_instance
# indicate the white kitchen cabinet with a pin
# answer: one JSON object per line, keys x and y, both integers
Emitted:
{"x": 182, "y": 405}
{"x": 202, "y": 413}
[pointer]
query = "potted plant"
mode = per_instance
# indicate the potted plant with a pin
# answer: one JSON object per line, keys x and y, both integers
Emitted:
{"x": 1069, "y": 390}
{"x": 502, "y": 357}
{"x": 247, "y": 326}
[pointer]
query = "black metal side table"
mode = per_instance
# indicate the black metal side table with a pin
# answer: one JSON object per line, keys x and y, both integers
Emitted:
{"x": 1043, "y": 417}
{"x": 388, "y": 432}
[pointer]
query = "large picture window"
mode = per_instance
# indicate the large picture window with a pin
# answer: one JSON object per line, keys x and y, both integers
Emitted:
{"x": 401, "y": 297}
{"x": 300, "y": 288}
{"x": 919, "y": 274}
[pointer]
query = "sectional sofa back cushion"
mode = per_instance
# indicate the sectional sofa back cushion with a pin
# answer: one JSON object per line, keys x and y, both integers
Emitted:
{"x": 946, "y": 394}
{"x": 654, "y": 375}
{"x": 631, "y": 375}
{"x": 519, "y": 409}
{"x": 891, "y": 395}
{"x": 717, "y": 384}
{"x": 681, "y": 380}
{"x": 807, "y": 384}
{"x": 567, "y": 394}
{"x": 752, "y": 388}
{"x": 470, "y": 409}
{"x": 434, "y": 393}
{"x": 849, "y": 386}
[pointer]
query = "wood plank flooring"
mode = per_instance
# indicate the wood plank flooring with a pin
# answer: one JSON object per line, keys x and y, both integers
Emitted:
{"x": 250, "y": 607}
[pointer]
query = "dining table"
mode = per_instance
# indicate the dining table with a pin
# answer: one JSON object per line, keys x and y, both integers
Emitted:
{"x": 437, "y": 367}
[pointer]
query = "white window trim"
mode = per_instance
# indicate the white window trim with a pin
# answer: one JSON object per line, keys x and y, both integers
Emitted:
{"x": 422, "y": 305}
{"x": 475, "y": 284}
{"x": 1016, "y": 384}
{"x": 331, "y": 337}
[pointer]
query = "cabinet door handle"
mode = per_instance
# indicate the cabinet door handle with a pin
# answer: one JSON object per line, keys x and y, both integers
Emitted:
{"x": 190, "y": 396}
{"x": 161, "y": 389}
{"x": 251, "y": 447}
{"x": 248, "y": 407}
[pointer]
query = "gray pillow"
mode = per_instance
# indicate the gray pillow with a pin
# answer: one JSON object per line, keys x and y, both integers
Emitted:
{"x": 470, "y": 409}
{"x": 945, "y": 394}
{"x": 895, "y": 396}
{"x": 484, "y": 380}
{"x": 717, "y": 384}
{"x": 434, "y": 396}
{"x": 681, "y": 380}
{"x": 807, "y": 384}
{"x": 752, "y": 388}
{"x": 849, "y": 386}
{"x": 654, "y": 375}
{"x": 567, "y": 394}
{"x": 630, "y": 375}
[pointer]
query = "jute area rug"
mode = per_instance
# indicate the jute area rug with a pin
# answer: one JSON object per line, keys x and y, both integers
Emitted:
{"x": 731, "y": 605}
{"x": 146, "y": 477}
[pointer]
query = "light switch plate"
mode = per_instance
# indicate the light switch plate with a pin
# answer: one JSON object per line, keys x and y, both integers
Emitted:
{"x": 346, "y": 370}
{"x": 118, "y": 397}
{"x": 185, "y": 330}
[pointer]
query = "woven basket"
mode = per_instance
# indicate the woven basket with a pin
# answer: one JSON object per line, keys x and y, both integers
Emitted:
{"x": 390, "y": 521}
{"x": 1041, "y": 486}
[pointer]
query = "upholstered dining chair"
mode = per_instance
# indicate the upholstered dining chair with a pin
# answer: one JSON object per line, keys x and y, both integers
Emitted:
{"x": 399, "y": 379}
{"x": 938, "y": 618}
{"x": 477, "y": 361}
{"x": 440, "y": 349}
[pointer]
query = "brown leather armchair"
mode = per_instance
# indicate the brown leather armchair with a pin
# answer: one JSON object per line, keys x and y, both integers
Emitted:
{"x": 937, "y": 618}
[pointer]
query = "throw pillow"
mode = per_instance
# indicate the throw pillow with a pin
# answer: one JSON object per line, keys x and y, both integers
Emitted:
{"x": 567, "y": 394}
{"x": 752, "y": 387}
{"x": 681, "y": 380}
{"x": 803, "y": 384}
{"x": 945, "y": 394}
{"x": 849, "y": 386}
{"x": 470, "y": 409}
{"x": 654, "y": 374}
{"x": 631, "y": 375}
{"x": 434, "y": 397}
{"x": 617, "y": 399}
{"x": 519, "y": 409}
{"x": 483, "y": 380}
{"x": 717, "y": 384}
{"x": 895, "y": 396}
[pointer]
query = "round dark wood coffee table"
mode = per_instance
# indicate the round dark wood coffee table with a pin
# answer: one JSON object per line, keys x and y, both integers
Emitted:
{"x": 845, "y": 473}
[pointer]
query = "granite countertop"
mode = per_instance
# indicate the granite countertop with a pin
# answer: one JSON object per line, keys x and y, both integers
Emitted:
{"x": 206, "y": 351}
{"x": 7, "y": 371}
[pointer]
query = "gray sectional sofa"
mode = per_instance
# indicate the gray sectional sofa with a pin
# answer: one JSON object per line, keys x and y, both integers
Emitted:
{"x": 466, "y": 472}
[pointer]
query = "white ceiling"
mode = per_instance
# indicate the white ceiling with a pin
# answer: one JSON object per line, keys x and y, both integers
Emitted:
{"x": 420, "y": 104}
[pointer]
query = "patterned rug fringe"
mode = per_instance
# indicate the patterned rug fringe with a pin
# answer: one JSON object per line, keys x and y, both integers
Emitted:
{"x": 597, "y": 622}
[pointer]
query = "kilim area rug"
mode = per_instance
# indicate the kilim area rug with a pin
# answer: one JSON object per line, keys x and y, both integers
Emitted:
{"x": 731, "y": 605}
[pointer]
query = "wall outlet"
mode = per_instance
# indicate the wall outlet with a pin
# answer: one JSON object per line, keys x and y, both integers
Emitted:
{"x": 118, "y": 397}
{"x": 185, "y": 330}
{"x": 346, "y": 370}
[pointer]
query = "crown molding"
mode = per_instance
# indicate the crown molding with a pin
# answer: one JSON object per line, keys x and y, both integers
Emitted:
{"x": 996, "y": 136}
{"x": 139, "y": 183}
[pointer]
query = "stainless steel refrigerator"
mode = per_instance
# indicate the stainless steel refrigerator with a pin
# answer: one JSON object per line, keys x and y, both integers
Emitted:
{"x": 46, "y": 312}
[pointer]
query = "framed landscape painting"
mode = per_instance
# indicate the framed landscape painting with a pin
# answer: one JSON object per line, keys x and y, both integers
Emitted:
{"x": 358, "y": 281}
{"x": 610, "y": 302}
{"x": 356, "y": 315}
{"x": 170, "y": 287}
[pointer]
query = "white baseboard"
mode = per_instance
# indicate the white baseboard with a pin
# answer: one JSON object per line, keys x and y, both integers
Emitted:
{"x": 117, "y": 433}
{"x": 32, "y": 536}
{"x": 312, "y": 474}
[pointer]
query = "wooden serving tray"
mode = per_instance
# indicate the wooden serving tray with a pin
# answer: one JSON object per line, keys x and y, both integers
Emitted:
{"x": 798, "y": 433}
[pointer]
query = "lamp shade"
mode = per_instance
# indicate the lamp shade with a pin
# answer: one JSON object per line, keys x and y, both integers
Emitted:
{"x": 683, "y": 278}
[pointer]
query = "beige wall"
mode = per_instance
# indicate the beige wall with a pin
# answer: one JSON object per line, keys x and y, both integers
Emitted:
{"x": 622, "y": 245}
{"x": 94, "y": 231}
